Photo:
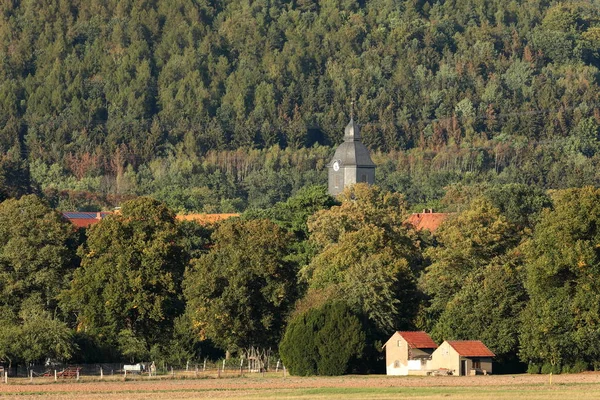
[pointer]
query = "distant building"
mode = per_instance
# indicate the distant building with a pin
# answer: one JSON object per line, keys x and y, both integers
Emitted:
{"x": 415, "y": 353}
{"x": 463, "y": 357}
{"x": 427, "y": 220}
{"x": 407, "y": 353}
{"x": 84, "y": 219}
{"x": 351, "y": 163}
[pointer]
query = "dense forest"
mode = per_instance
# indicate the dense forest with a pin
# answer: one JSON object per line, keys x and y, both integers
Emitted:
{"x": 516, "y": 267}
{"x": 223, "y": 105}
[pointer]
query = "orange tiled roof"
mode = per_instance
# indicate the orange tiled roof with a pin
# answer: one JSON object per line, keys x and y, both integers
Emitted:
{"x": 471, "y": 348}
{"x": 418, "y": 340}
{"x": 84, "y": 219}
{"x": 206, "y": 219}
{"x": 428, "y": 220}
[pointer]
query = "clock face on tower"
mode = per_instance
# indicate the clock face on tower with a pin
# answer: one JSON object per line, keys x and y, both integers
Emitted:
{"x": 336, "y": 166}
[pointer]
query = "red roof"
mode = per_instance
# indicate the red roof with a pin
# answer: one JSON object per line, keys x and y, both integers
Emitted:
{"x": 429, "y": 220}
{"x": 418, "y": 340}
{"x": 84, "y": 219}
{"x": 471, "y": 348}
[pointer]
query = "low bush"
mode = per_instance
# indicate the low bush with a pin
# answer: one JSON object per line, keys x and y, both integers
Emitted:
{"x": 579, "y": 366}
{"x": 533, "y": 368}
{"x": 548, "y": 368}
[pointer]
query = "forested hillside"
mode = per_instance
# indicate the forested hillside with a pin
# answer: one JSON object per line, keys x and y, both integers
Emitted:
{"x": 199, "y": 102}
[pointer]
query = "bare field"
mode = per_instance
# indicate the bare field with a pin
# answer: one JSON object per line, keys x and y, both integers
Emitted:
{"x": 580, "y": 386}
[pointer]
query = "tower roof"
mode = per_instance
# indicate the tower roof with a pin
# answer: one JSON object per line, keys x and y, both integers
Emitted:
{"x": 352, "y": 152}
{"x": 352, "y": 131}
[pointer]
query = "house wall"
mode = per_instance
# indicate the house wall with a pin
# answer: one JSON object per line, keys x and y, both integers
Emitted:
{"x": 396, "y": 355}
{"x": 445, "y": 357}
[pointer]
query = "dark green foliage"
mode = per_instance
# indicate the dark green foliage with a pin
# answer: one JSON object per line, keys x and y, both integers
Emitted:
{"x": 323, "y": 341}
{"x": 520, "y": 204}
{"x": 562, "y": 262}
{"x": 293, "y": 214}
{"x": 579, "y": 366}
{"x": 37, "y": 259}
{"x": 240, "y": 293}
{"x": 15, "y": 180}
{"x": 128, "y": 289}
{"x": 548, "y": 368}
{"x": 534, "y": 368}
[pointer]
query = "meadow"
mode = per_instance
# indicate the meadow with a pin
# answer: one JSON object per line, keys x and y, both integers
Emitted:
{"x": 580, "y": 386}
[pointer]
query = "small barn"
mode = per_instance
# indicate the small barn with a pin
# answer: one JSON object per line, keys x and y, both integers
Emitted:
{"x": 408, "y": 353}
{"x": 463, "y": 357}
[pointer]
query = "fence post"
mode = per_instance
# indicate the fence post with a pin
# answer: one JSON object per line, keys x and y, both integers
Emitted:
{"x": 5, "y": 376}
{"x": 204, "y": 367}
{"x": 77, "y": 373}
{"x": 101, "y": 374}
{"x": 284, "y": 371}
{"x": 218, "y": 372}
{"x": 187, "y": 366}
{"x": 55, "y": 376}
{"x": 125, "y": 376}
{"x": 172, "y": 372}
{"x": 196, "y": 371}
{"x": 277, "y": 367}
{"x": 30, "y": 375}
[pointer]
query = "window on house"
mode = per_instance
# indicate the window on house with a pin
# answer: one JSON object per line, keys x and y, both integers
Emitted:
{"x": 337, "y": 181}
{"x": 396, "y": 364}
{"x": 399, "y": 343}
{"x": 476, "y": 363}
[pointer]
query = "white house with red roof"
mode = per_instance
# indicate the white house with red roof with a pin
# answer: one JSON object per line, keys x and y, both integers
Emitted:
{"x": 462, "y": 357}
{"x": 408, "y": 353}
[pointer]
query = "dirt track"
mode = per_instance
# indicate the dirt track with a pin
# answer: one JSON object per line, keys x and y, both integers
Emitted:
{"x": 256, "y": 382}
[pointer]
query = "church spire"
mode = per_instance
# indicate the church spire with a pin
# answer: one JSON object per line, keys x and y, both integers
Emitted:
{"x": 352, "y": 131}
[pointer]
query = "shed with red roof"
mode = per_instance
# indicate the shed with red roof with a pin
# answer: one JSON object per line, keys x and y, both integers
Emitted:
{"x": 408, "y": 353}
{"x": 463, "y": 357}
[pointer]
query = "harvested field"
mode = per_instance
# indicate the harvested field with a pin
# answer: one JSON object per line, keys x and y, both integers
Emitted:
{"x": 580, "y": 386}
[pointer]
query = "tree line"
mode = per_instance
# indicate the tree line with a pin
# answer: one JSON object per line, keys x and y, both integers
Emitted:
{"x": 322, "y": 281}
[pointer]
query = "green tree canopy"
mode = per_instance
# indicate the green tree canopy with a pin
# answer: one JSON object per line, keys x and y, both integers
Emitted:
{"x": 37, "y": 253}
{"x": 37, "y": 259}
{"x": 239, "y": 294}
{"x": 366, "y": 256}
{"x": 467, "y": 242}
{"x": 129, "y": 283}
{"x": 560, "y": 323}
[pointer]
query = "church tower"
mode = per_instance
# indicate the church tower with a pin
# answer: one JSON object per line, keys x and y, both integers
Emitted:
{"x": 351, "y": 163}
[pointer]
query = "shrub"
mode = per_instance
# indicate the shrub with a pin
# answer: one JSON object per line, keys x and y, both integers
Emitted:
{"x": 580, "y": 366}
{"x": 548, "y": 368}
{"x": 533, "y": 368}
{"x": 324, "y": 341}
